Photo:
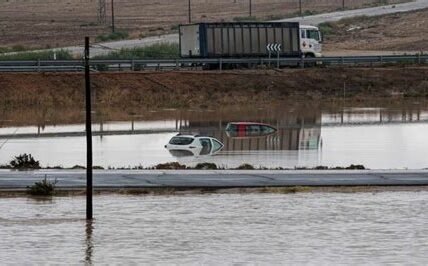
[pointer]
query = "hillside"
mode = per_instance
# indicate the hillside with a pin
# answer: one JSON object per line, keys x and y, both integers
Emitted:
{"x": 395, "y": 32}
{"x": 55, "y": 23}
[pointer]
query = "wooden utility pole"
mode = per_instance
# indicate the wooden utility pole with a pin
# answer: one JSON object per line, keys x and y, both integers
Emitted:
{"x": 102, "y": 12}
{"x": 112, "y": 15}
{"x": 251, "y": 11}
{"x": 189, "y": 8}
{"x": 89, "y": 213}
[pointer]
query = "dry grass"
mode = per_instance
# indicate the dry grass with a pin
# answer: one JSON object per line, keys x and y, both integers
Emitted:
{"x": 53, "y": 23}
{"x": 202, "y": 89}
{"x": 394, "y": 32}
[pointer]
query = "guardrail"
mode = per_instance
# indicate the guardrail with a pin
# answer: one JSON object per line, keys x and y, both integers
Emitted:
{"x": 217, "y": 63}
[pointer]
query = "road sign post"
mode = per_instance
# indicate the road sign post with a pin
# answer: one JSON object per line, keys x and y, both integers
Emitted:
{"x": 276, "y": 48}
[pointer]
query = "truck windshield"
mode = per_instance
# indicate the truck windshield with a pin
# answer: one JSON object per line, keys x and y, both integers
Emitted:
{"x": 313, "y": 34}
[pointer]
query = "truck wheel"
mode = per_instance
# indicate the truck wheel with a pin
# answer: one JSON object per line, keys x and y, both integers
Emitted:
{"x": 310, "y": 64}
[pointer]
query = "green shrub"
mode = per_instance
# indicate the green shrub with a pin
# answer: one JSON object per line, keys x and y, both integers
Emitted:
{"x": 170, "y": 166}
{"x": 43, "y": 188}
{"x": 326, "y": 28}
{"x": 78, "y": 167}
{"x": 155, "y": 51}
{"x": 206, "y": 166}
{"x": 174, "y": 27}
{"x": 89, "y": 24}
{"x": 117, "y": 35}
{"x": 356, "y": 167}
{"x": 15, "y": 48}
{"x": 245, "y": 166}
{"x": 42, "y": 55}
{"x": 24, "y": 161}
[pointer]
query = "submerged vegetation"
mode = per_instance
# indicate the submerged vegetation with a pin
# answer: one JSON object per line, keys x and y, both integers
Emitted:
{"x": 42, "y": 188}
{"x": 26, "y": 161}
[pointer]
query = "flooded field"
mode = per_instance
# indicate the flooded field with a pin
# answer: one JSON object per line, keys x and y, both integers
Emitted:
{"x": 371, "y": 134}
{"x": 325, "y": 228}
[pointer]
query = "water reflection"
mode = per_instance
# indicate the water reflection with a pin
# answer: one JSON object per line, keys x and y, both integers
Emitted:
{"x": 88, "y": 242}
{"x": 377, "y": 137}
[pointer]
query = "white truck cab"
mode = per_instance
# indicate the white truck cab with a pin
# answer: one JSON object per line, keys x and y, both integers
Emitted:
{"x": 310, "y": 41}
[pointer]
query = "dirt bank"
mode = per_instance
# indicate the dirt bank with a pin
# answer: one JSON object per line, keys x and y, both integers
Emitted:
{"x": 18, "y": 193}
{"x": 210, "y": 89}
{"x": 53, "y": 23}
{"x": 395, "y": 32}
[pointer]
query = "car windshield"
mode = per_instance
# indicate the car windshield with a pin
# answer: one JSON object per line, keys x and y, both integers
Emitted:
{"x": 181, "y": 141}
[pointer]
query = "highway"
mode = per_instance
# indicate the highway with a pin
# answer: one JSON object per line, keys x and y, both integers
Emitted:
{"x": 115, "y": 179}
{"x": 106, "y": 47}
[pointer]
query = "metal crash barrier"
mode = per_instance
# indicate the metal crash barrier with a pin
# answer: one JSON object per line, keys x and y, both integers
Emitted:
{"x": 206, "y": 63}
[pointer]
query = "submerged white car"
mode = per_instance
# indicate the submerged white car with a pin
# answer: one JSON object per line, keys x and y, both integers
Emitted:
{"x": 193, "y": 145}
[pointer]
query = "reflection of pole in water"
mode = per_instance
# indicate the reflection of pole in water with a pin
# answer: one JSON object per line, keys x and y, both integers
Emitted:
{"x": 88, "y": 241}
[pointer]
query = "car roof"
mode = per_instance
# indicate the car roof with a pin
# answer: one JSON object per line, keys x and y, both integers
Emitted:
{"x": 249, "y": 123}
{"x": 184, "y": 136}
{"x": 191, "y": 136}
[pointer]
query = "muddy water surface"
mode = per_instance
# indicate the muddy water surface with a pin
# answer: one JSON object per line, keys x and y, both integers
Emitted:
{"x": 322, "y": 228}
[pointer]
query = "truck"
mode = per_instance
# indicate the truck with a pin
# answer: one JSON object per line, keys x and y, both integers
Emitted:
{"x": 249, "y": 40}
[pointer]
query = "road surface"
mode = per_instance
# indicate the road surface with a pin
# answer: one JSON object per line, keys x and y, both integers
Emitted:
{"x": 371, "y": 11}
{"x": 10, "y": 180}
{"x": 104, "y": 48}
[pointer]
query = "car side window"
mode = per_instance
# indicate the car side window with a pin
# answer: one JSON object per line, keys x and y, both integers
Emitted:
{"x": 253, "y": 128}
{"x": 216, "y": 145}
{"x": 303, "y": 34}
{"x": 206, "y": 146}
{"x": 231, "y": 127}
{"x": 267, "y": 129}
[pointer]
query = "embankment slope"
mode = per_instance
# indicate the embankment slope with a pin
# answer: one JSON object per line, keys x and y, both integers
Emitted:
{"x": 210, "y": 88}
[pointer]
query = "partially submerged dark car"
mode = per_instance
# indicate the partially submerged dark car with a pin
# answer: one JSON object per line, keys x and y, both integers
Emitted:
{"x": 249, "y": 129}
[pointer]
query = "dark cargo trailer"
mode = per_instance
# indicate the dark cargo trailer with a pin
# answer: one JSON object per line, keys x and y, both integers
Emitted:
{"x": 238, "y": 39}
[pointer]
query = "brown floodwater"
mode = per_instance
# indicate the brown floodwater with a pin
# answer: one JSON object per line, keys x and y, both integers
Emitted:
{"x": 377, "y": 135}
{"x": 303, "y": 228}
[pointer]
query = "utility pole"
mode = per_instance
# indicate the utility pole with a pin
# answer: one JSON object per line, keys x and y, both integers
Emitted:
{"x": 112, "y": 16}
{"x": 251, "y": 13}
{"x": 102, "y": 12}
{"x": 300, "y": 7}
{"x": 190, "y": 11}
{"x": 343, "y": 4}
{"x": 89, "y": 213}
